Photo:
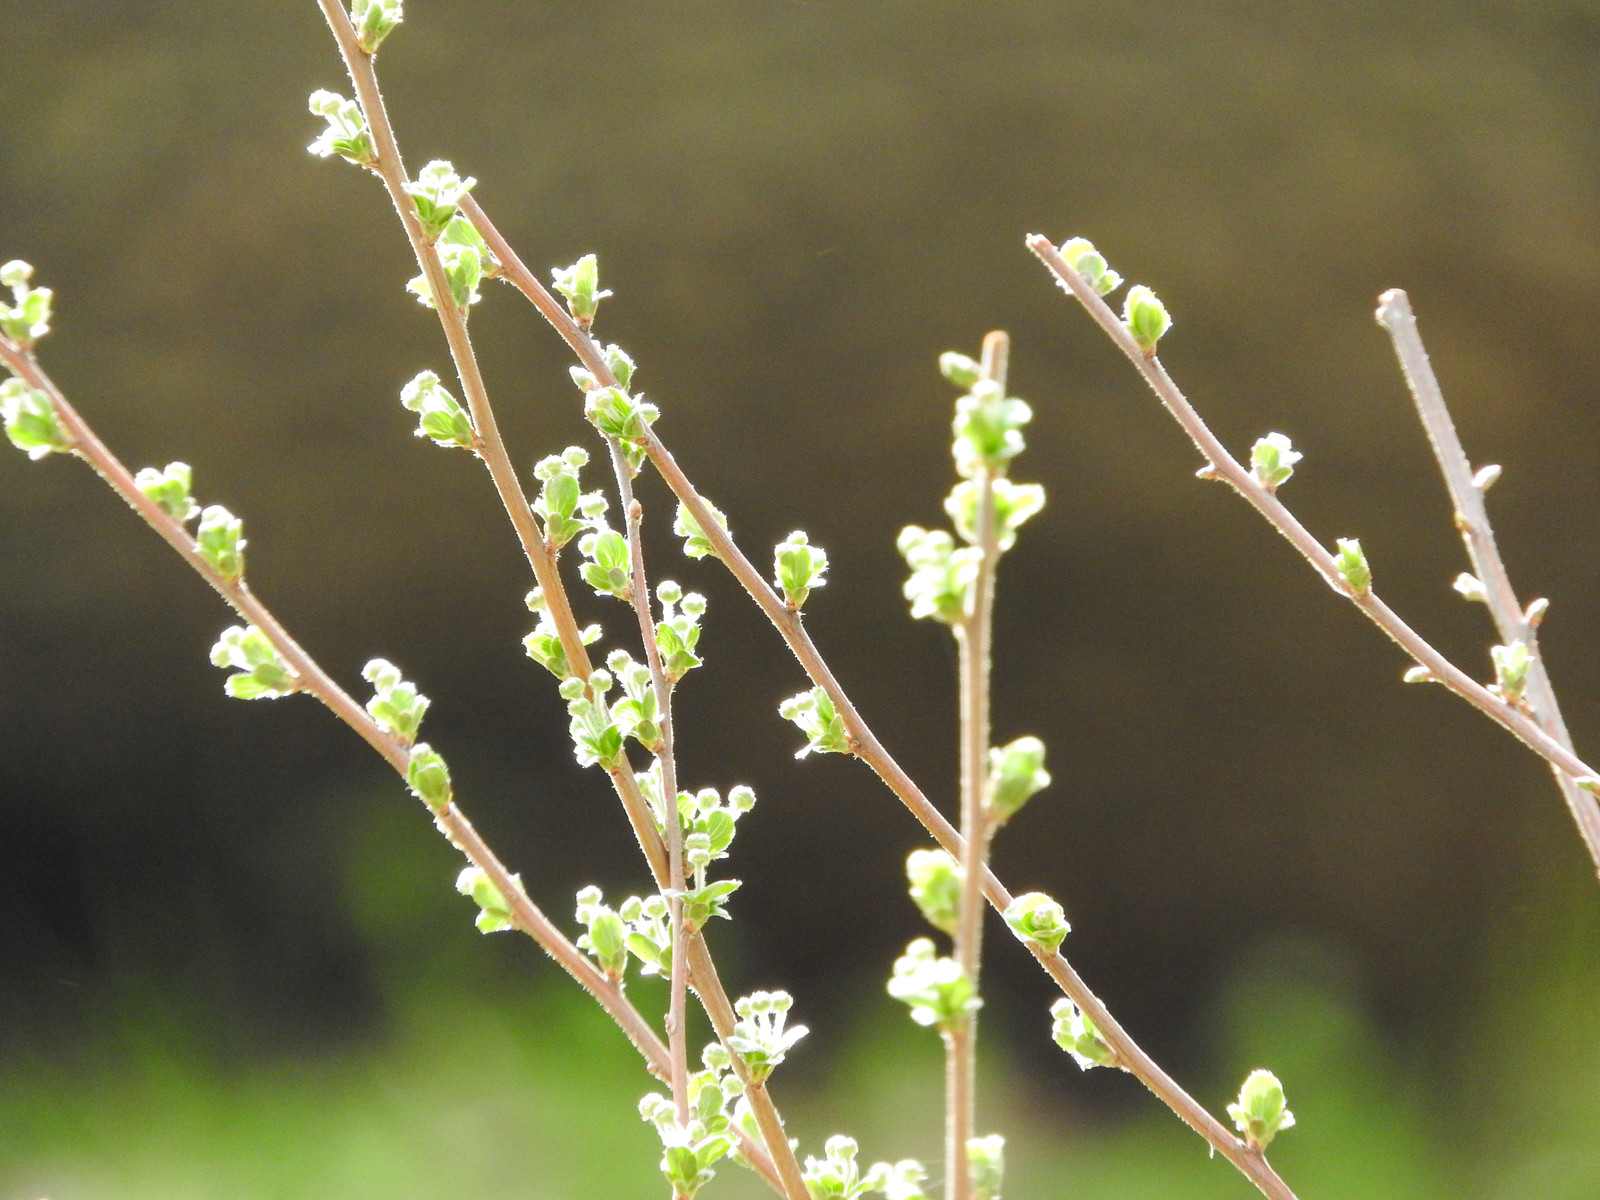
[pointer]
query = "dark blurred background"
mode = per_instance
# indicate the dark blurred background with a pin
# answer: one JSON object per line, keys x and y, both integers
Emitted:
{"x": 226, "y": 925}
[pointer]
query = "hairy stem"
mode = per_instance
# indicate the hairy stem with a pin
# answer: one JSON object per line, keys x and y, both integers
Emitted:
{"x": 677, "y": 1031}
{"x": 1222, "y": 465}
{"x": 975, "y": 635}
{"x": 490, "y": 447}
{"x": 1472, "y": 520}
{"x": 865, "y": 743}
{"x": 314, "y": 681}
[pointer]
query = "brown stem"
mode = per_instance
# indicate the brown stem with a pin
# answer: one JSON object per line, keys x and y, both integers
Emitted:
{"x": 865, "y": 743}
{"x": 1472, "y": 519}
{"x": 1225, "y": 467}
{"x": 314, "y": 681}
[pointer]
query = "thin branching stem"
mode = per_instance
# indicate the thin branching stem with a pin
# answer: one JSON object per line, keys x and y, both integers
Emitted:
{"x": 490, "y": 447}
{"x": 314, "y": 681}
{"x": 1472, "y": 520}
{"x": 492, "y": 450}
{"x": 677, "y": 1031}
{"x": 863, "y": 741}
{"x": 1222, "y": 465}
{"x": 975, "y": 636}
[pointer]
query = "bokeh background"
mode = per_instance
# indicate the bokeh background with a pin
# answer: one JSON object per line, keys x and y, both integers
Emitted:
{"x": 231, "y": 962}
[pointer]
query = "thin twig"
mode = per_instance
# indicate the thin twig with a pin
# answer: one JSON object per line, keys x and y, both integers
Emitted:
{"x": 491, "y": 448}
{"x": 1222, "y": 465}
{"x": 1472, "y": 520}
{"x": 864, "y": 742}
{"x": 314, "y": 681}
{"x": 677, "y": 1030}
{"x": 975, "y": 635}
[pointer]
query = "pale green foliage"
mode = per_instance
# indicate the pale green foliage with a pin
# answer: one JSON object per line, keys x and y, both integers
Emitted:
{"x": 261, "y": 672}
{"x": 1511, "y": 665}
{"x": 1272, "y": 460}
{"x": 374, "y": 20}
{"x": 563, "y": 508}
{"x": 27, "y": 318}
{"x": 689, "y": 1151}
{"x": 171, "y": 488}
{"x": 959, "y": 369}
{"x": 936, "y": 989}
{"x": 606, "y": 937}
{"x": 494, "y": 912}
{"x": 439, "y": 414}
{"x": 1470, "y": 587}
{"x": 1075, "y": 1033}
{"x": 596, "y": 736}
{"x": 463, "y": 257}
{"x": 429, "y": 777}
{"x": 1083, "y": 258}
{"x": 1016, "y": 773}
{"x": 988, "y": 429}
{"x": 1035, "y": 917}
{"x": 609, "y": 569}
{"x": 396, "y": 705}
{"x": 1145, "y": 318}
{"x": 619, "y": 414}
{"x": 836, "y": 1177}
{"x": 678, "y": 630}
{"x": 986, "y": 1165}
{"x": 1260, "y": 1112}
{"x": 941, "y": 576}
{"x": 1014, "y": 503}
{"x": 30, "y": 420}
{"x": 649, "y": 938}
{"x": 346, "y": 134}
{"x": 637, "y": 715}
{"x": 1352, "y": 564}
{"x": 935, "y": 880}
{"x": 760, "y": 1037}
{"x": 798, "y": 566}
{"x": 814, "y": 713}
{"x": 580, "y": 284}
{"x": 695, "y": 542}
{"x": 544, "y": 643}
{"x": 436, "y": 192}
{"x": 220, "y": 540}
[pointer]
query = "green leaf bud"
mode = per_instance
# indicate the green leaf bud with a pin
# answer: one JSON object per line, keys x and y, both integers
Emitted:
{"x": 695, "y": 542}
{"x": 959, "y": 369}
{"x": 1352, "y": 564}
{"x": 1083, "y": 258}
{"x": 219, "y": 541}
{"x": 678, "y": 631}
{"x": 649, "y": 935}
{"x": 837, "y": 1177}
{"x": 436, "y": 193}
{"x": 1145, "y": 318}
{"x": 30, "y": 420}
{"x": 941, "y": 576}
{"x": 1075, "y": 1033}
{"x": 580, "y": 284}
{"x": 396, "y": 705}
{"x": 1260, "y": 1113}
{"x": 429, "y": 777}
{"x": 494, "y": 915}
{"x": 986, "y": 1164}
{"x": 1470, "y": 587}
{"x": 1014, "y": 503}
{"x": 27, "y": 318}
{"x": 544, "y": 643}
{"x": 621, "y": 366}
{"x": 171, "y": 489}
{"x": 760, "y": 1037}
{"x": 1016, "y": 773}
{"x": 798, "y": 567}
{"x": 637, "y": 715}
{"x": 988, "y": 429}
{"x": 814, "y": 713}
{"x": 1035, "y": 917}
{"x": 1272, "y": 461}
{"x": 439, "y": 414}
{"x": 262, "y": 673}
{"x": 936, "y": 989}
{"x": 374, "y": 20}
{"x": 1511, "y": 665}
{"x": 935, "y": 880}
{"x": 609, "y": 569}
{"x": 617, "y": 414}
{"x": 565, "y": 510}
{"x": 346, "y": 134}
{"x": 596, "y": 735}
{"x": 607, "y": 936}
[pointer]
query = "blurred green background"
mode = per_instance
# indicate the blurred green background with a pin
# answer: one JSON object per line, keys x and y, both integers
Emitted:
{"x": 232, "y": 965}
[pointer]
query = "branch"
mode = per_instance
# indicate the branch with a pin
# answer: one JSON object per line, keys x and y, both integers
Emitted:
{"x": 314, "y": 681}
{"x": 1222, "y": 465}
{"x": 865, "y": 743}
{"x": 1472, "y": 519}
